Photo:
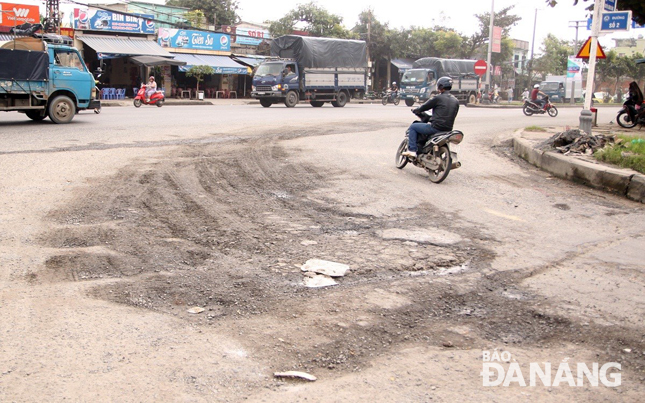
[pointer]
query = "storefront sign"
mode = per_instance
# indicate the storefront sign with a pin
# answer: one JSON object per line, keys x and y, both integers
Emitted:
{"x": 250, "y": 36}
{"x": 186, "y": 39}
{"x": 101, "y": 20}
{"x": 18, "y": 14}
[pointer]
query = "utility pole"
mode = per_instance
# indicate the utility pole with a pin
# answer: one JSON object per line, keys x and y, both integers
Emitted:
{"x": 369, "y": 62}
{"x": 575, "y": 47}
{"x": 532, "y": 50}
{"x": 490, "y": 48}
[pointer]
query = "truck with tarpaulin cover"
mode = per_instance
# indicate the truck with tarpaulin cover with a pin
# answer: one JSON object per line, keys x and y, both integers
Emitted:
{"x": 316, "y": 70}
{"x": 42, "y": 80}
{"x": 419, "y": 83}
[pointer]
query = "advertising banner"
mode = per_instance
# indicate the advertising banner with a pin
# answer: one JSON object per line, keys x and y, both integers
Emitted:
{"x": 187, "y": 39}
{"x": 574, "y": 68}
{"x": 497, "y": 40}
{"x": 251, "y": 36}
{"x": 17, "y": 14}
{"x": 101, "y": 20}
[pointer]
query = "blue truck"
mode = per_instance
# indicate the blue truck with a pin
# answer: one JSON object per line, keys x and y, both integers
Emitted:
{"x": 419, "y": 83}
{"x": 314, "y": 70}
{"x": 43, "y": 80}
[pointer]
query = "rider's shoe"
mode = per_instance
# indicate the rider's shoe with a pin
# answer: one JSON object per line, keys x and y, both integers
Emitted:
{"x": 409, "y": 153}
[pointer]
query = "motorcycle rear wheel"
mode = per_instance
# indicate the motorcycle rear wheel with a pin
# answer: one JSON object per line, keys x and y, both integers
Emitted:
{"x": 624, "y": 120}
{"x": 527, "y": 110}
{"x": 441, "y": 173}
{"x": 402, "y": 160}
{"x": 396, "y": 101}
{"x": 160, "y": 103}
{"x": 553, "y": 111}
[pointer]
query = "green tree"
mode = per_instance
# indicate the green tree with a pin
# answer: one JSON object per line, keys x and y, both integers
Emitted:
{"x": 195, "y": 18}
{"x": 199, "y": 72}
{"x": 473, "y": 45}
{"x": 218, "y": 12}
{"x": 637, "y": 7}
{"x": 317, "y": 22}
{"x": 555, "y": 55}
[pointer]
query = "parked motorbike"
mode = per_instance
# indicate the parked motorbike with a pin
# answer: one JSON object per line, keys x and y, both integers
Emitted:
{"x": 531, "y": 108}
{"x": 391, "y": 97}
{"x": 155, "y": 99}
{"x": 436, "y": 155}
{"x": 628, "y": 116}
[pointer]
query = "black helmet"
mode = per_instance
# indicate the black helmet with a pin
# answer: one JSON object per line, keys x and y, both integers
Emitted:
{"x": 444, "y": 83}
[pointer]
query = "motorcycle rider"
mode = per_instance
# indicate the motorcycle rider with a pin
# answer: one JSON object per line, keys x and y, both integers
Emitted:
{"x": 534, "y": 96}
{"x": 394, "y": 90}
{"x": 151, "y": 88}
{"x": 444, "y": 111}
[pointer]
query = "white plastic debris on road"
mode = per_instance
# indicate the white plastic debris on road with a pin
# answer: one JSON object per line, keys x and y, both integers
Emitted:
{"x": 196, "y": 309}
{"x": 295, "y": 374}
{"x": 325, "y": 267}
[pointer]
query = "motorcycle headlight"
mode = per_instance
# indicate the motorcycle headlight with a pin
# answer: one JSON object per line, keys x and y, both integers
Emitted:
{"x": 253, "y": 88}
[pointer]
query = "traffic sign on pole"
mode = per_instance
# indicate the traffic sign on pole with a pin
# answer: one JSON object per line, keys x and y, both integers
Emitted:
{"x": 481, "y": 67}
{"x": 616, "y": 21}
{"x": 585, "y": 51}
{"x": 610, "y": 5}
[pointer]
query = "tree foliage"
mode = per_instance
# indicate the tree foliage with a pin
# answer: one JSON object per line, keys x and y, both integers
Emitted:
{"x": 219, "y": 12}
{"x": 555, "y": 54}
{"x": 312, "y": 19}
{"x": 199, "y": 71}
{"x": 473, "y": 44}
{"x": 637, "y": 7}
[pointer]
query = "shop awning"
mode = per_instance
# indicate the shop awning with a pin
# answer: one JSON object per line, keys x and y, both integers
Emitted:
{"x": 221, "y": 64}
{"x": 156, "y": 61}
{"x": 122, "y": 46}
{"x": 249, "y": 60}
{"x": 402, "y": 64}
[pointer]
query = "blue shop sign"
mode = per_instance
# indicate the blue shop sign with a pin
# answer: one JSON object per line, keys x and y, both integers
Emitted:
{"x": 101, "y": 20}
{"x": 187, "y": 39}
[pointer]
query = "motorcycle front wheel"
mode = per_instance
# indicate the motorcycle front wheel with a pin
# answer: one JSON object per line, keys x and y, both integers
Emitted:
{"x": 527, "y": 110}
{"x": 553, "y": 111}
{"x": 384, "y": 101}
{"x": 402, "y": 160}
{"x": 624, "y": 120}
{"x": 137, "y": 103}
{"x": 445, "y": 161}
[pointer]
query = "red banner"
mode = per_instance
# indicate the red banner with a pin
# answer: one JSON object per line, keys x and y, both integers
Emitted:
{"x": 497, "y": 40}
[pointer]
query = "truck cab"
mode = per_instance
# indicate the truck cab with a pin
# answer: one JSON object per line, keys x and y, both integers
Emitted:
{"x": 417, "y": 85}
{"x": 272, "y": 80}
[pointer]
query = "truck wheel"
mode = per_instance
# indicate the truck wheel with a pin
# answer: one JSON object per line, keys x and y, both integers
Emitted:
{"x": 316, "y": 104}
{"x": 62, "y": 109}
{"x": 266, "y": 103}
{"x": 341, "y": 100}
{"x": 36, "y": 115}
{"x": 409, "y": 102}
{"x": 291, "y": 100}
{"x": 472, "y": 98}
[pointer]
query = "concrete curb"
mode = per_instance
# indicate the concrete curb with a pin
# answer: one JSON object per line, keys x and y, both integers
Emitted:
{"x": 625, "y": 182}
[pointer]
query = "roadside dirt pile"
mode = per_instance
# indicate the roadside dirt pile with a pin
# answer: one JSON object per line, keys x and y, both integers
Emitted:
{"x": 574, "y": 141}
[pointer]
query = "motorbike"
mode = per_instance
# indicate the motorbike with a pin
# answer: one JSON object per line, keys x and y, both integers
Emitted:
{"x": 531, "y": 108}
{"x": 155, "y": 99}
{"x": 436, "y": 155}
{"x": 629, "y": 117}
{"x": 391, "y": 97}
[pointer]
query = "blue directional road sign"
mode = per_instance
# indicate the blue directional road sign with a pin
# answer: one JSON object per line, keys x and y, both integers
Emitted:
{"x": 610, "y": 5}
{"x": 616, "y": 21}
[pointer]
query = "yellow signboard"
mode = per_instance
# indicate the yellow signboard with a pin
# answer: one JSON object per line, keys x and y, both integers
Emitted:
{"x": 585, "y": 51}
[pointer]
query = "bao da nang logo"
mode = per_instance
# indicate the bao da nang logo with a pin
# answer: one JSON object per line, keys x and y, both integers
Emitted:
{"x": 498, "y": 370}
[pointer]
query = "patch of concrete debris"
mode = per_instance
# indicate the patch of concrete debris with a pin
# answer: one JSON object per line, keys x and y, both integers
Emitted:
{"x": 575, "y": 141}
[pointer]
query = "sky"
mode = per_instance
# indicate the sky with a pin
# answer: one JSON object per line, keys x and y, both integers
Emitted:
{"x": 457, "y": 14}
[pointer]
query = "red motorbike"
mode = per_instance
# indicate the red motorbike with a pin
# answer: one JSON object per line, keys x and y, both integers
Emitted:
{"x": 155, "y": 99}
{"x": 531, "y": 108}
